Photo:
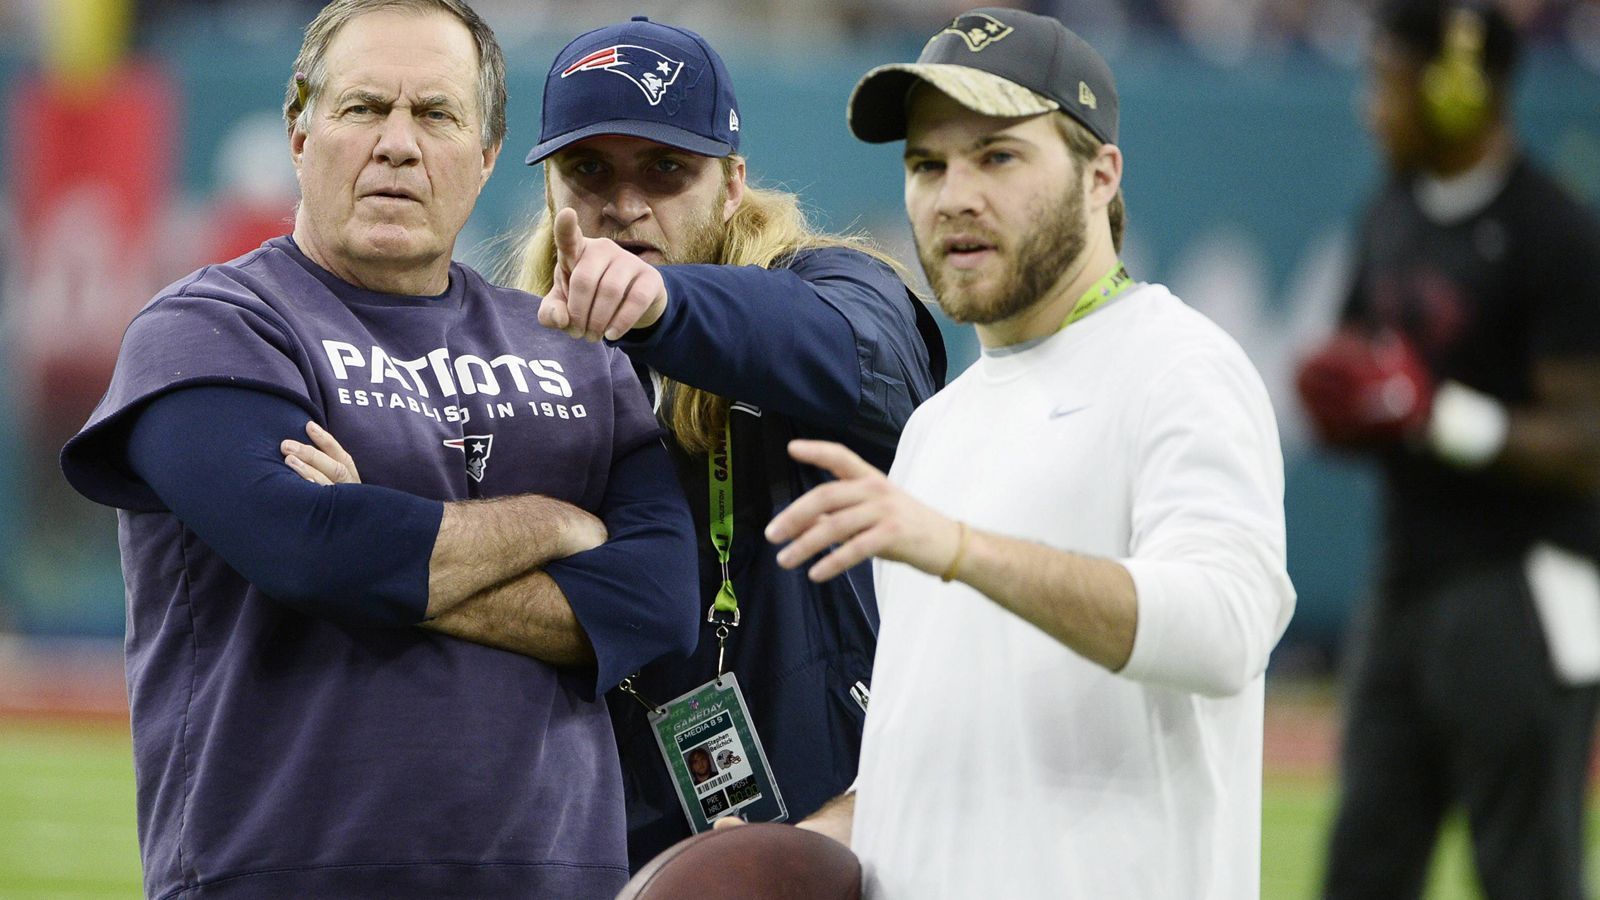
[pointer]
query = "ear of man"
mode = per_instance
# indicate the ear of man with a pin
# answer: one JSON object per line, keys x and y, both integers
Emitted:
{"x": 1105, "y": 169}
{"x": 297, "y": 146}
{"x": 491, "y": 155}
{"x": 734, "y": 186}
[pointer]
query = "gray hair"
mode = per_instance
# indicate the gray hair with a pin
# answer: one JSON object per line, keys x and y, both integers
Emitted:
{"x": 312, "y": 60}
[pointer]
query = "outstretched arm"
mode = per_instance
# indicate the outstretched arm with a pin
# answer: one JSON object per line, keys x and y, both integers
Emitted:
{"x": 1201, "y": 595}
{"x": 831, "y": 338}
{"x": 1084, "y": 602}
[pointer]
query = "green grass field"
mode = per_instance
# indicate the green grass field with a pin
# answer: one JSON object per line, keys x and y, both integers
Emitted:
{"x": 66, "y": 821}
{"x": 66, "y": 812}
{"x": 1295, "y": 814}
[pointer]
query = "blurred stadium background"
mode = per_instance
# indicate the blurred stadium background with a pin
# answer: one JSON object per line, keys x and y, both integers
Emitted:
{"x": 144, "y": 140}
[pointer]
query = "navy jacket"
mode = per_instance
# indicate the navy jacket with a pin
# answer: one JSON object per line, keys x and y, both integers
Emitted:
{"x": 831, "y": 346}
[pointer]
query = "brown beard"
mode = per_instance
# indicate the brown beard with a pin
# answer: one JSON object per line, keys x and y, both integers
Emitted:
{"x": 1044, "y": 254}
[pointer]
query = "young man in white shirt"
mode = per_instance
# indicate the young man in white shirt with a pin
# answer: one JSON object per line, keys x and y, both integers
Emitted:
{"x": 1081, "y": 541}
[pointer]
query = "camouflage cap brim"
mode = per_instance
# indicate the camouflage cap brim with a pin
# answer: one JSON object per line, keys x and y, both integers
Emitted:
{"x": 877, "y": 109}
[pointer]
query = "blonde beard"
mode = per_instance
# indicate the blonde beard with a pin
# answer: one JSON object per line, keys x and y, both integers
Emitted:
{"x": 693, "y": 416}
{"x": 702, "y": 241}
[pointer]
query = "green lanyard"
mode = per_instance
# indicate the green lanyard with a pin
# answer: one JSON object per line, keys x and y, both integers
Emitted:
{"x": 724, "y": 611}
{"x": 1100, "y": 293}
{"x": 719, "y": 464}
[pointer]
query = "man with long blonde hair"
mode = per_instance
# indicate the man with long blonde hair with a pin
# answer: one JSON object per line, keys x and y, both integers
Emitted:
{"x": 750, "y": 328}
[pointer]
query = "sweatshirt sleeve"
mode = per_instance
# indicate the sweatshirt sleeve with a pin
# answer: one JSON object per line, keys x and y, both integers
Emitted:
{"x": 832, "y": 340}
{"x": 636, "y": 595}
{"x": 353, "y": 553}
{"x": 1207, "y": 553}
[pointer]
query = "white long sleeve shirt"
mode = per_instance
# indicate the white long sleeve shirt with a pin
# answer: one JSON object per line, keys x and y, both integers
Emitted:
{"x": 998, "y": 763}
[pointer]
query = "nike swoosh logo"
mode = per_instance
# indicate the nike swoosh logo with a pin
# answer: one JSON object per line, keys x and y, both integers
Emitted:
{"x": 1066, "y": 410}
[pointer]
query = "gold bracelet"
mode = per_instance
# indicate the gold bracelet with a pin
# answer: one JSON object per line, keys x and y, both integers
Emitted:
{"x": 961, "y": 549}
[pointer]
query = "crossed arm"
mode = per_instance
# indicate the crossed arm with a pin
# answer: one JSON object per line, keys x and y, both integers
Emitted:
{"x": 485, "y": 577}
{"x": 525, "y": 611}
{"x": 371, "y": 556}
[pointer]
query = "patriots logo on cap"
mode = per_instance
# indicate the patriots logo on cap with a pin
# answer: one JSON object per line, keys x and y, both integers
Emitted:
{"x": 652, "y": 72}
{"x": 476, "y": 446}
{"x": 979, "y": 30}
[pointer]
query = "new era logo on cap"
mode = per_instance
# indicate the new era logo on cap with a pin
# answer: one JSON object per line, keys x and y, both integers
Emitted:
{"x": 651, "y": 71}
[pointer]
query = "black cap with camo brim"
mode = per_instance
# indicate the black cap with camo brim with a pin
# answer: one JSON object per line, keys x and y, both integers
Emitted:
{"x": 998, "y": 62}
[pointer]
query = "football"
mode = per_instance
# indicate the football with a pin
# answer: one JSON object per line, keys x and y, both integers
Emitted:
{"x": 759, "y": 861}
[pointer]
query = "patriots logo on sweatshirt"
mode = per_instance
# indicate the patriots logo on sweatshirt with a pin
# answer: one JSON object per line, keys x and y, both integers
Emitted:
{"x": 476, "y": 446}
{"x": 650, "y": 71}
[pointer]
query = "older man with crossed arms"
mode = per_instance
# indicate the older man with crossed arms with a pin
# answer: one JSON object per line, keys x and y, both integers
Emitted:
{"x": 322, "y": 699}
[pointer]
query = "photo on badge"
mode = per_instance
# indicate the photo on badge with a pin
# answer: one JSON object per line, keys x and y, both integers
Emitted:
{"x": 715, "y": 757}
{"x": 701, "y": 768}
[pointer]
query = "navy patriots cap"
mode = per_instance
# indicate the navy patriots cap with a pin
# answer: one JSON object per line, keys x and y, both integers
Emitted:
{"x": 641, "y": 79}
{"x": 998, "y": 62}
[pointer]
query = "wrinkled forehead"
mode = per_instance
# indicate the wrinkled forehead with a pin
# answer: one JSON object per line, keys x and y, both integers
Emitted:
{"x": 400, "y": 54}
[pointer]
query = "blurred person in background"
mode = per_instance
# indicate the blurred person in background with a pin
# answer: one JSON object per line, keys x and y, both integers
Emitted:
{"x": 1081, "y": 542}
{"x": 320, "y": 702}
{"x": 748, "y": 328}
{"x": 1467, "y": 363}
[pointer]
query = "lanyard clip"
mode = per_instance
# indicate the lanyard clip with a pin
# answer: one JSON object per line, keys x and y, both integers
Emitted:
{"x": 626, "y": 686}
{"x": 728, "y": 618}
{"x": 722, "y": 648}
{"x": 725, "y": 608}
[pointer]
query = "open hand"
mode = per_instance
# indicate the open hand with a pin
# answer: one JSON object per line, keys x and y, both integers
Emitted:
{"x": 863, "y": 513}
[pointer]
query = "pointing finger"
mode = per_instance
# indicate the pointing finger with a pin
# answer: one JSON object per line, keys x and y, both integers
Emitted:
{"x": 568, "y": 238}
